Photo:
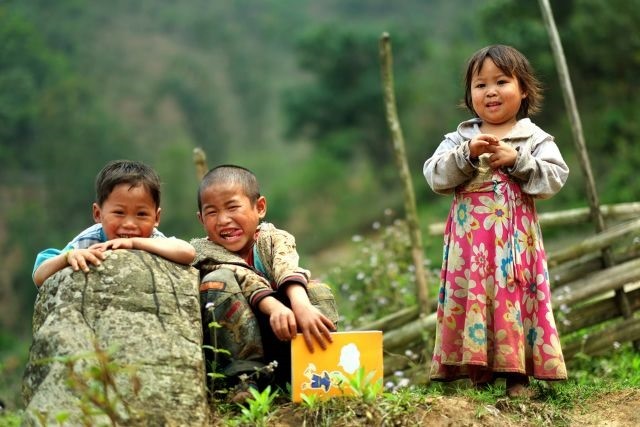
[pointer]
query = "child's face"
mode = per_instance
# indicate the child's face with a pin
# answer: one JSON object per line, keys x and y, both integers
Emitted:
{"x": 127, "y": 212}
{"x": 229, "y": 218}
{"x": 496, "y": 97}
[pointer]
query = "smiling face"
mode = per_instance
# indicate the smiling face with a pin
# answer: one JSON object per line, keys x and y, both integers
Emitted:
{"x": 496, "y": 96}
{"x": 229, "y": 217}
{"x": 128, "y": 211}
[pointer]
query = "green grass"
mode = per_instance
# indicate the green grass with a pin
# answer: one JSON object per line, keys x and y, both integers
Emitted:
{"x": 589, "y": 379}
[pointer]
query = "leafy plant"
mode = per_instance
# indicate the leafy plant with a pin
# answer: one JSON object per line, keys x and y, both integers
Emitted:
{"x": 11, "y": 419}
{"x": 311, "y": 401}
{"x": 363, "y": 385}
{"x": 215, "y": 376}
{"x": 92, "y": 378}
{"x": 257, "y": 409}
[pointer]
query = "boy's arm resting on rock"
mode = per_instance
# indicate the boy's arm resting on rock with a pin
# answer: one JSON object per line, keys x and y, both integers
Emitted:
{"x": 51, "y": 261}
{"x": 49, "y": 267}
{"x": 172, "y": 248}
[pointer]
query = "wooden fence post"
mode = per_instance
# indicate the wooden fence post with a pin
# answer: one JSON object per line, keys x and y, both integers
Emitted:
{"x": 200, "y": 162}
{"x": 417, "y": 250}
{"x": 578, "y": 139}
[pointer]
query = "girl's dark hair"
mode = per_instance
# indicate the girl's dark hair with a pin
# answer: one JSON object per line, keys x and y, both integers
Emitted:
{"x": 225, "y": 174}
{"x": 513, "y": 63}
{"x": 127, "y": 172}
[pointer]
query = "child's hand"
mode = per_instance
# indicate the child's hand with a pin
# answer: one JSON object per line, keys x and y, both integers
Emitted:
{"x": 283, "y": 322}
{"x": 119, "y": 243}
{"x": 502, "y": 155}
{"x": 314, "y": 325}
{"x": 480, "y": 144}
{"x": 79, "y": 259}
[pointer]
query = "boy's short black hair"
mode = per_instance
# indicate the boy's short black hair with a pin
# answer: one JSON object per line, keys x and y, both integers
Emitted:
{"x": 224, "y": 174}
{"x": 129, "y": 172}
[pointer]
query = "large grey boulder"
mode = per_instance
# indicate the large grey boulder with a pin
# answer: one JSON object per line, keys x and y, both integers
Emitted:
{"x": 144, "y": 312}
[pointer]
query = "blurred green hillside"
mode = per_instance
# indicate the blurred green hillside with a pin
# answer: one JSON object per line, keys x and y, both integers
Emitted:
{"x": 288, "y": 88}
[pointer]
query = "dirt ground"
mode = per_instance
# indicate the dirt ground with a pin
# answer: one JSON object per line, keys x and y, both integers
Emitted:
{"x": 620, "y": 408}
{"x": 614, "y": 409}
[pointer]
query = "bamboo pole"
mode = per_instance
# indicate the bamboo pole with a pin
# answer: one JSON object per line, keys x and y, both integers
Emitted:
{"x": 597, "y": 312}
{"x": 410, "y": 333}
{"x": 417, "y": 250}
{"x": 572, "y": 109}
{"x": 596, "y": 242}
{"x": 587, "y": 264}
{"x": 606, "y": 340}
{"x": 590, "y": 286}
{"x": 578, "y": 139}
{"x": 393, "y": 320}
{"x": 200, "y": 161}
{"x": 619, "y": 211}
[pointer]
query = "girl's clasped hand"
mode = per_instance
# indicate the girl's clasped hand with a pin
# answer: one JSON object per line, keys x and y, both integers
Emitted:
{"x": 501, "y": 153}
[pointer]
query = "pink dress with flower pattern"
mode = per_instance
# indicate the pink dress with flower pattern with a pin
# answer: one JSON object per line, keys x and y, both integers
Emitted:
{"x": 494, "y": 307}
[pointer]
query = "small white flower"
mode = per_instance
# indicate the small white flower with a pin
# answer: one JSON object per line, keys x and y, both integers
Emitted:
{"x": 403, "y": 383}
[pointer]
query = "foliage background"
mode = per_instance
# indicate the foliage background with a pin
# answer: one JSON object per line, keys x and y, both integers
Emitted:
{"x": 288, "y": 88}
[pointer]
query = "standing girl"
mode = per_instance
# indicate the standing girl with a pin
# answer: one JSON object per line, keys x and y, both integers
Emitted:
{"x": 494, "y": 311}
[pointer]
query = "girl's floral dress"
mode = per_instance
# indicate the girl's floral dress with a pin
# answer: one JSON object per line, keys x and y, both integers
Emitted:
{"x": 494, "y": 307}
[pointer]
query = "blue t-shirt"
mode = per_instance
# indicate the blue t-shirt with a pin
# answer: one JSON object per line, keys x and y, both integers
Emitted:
{"x": 90, "y": 236}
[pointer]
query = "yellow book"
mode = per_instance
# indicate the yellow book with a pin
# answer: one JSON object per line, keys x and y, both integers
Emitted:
{"x": 329, "y": 372}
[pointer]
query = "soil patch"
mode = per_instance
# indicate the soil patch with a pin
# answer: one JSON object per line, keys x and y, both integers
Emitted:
{"x": 613, "y": 409}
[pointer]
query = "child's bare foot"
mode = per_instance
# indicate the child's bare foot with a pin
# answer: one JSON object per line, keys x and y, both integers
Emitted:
{"x": 518, "y": 386}
{"x": 481, "y": 377}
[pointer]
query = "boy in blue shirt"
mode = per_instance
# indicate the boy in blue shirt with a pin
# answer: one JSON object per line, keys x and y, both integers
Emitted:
{"x": 126, "y": 212}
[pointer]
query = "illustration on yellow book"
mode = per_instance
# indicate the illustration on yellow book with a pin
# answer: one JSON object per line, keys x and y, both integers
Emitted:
{"x": 328, "y": 372}
{"x": 349, "y": 361}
